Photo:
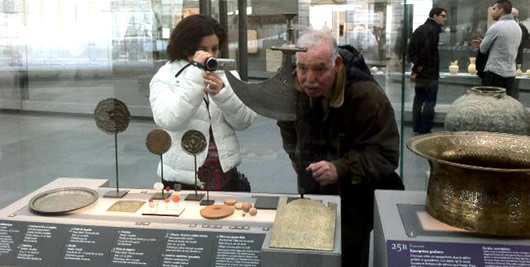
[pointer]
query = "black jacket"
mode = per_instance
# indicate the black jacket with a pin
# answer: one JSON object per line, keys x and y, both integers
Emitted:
{"x": 423, "y": 50}
{"x": 358, "y": 132}
{"x": 525, "y": 43}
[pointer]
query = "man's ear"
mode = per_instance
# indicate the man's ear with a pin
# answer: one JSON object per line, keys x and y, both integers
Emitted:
{"x": 338, "y": 63}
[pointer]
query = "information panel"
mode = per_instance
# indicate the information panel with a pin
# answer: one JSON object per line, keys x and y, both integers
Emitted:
{"x": 428, "y": 254}
{"x": 42, "y": 244}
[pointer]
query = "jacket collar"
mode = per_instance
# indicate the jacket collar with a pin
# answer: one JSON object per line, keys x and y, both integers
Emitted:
{"x": 507, "y": 17}
{"x": 176, "y": 65}
{"x": 433, "y": 22}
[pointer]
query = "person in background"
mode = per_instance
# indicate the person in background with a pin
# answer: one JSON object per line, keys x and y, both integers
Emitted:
{"x": 422, "y": 52}
{"x": 184, "y": 97}
{"x": 344, "y": 140}
{"x": 500, "y": 43}
{"x": 525, "y": 40}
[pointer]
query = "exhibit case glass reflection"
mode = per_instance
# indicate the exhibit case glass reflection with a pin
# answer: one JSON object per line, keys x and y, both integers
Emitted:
{"x": 59, "y": 59}
{"x": 63, "y": 58}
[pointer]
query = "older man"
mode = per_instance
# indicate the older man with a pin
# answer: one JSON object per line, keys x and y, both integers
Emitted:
{"x": 501, "y": 43}
{"x": 345, "y": 139}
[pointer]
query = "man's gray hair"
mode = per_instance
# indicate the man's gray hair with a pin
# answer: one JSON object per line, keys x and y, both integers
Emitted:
{"x": 312, "y": 38}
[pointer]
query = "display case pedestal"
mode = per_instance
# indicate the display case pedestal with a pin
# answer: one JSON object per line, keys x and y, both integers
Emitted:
{"x": 405, "y": 235}
{"x": 155, "y": 234}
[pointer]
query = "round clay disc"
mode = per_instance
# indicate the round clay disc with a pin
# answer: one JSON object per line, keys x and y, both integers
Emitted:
{"x": 112, "y": 116}
{"x": 158, "y": 141}
{"x": 217, "y": 211}
{"x": 230, "y": 202}
{"x": 193, "y": 142}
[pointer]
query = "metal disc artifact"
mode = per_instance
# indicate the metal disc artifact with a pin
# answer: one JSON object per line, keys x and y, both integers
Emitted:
{"x": 61, "y": 200}
{"x": 205, "y": 174}
{"x": 112, "y": 116}
{"x": 479, "y": 181}
{"x": 158, "y": 141}
{"x": 193, "y": 142}
{"x": 217, "y": 211}
{"x": 304, "y": 224}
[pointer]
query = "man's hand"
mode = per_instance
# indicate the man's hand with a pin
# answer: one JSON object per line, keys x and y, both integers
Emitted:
{"x": 324, "y": 172}
{"x": 476, "y": 42}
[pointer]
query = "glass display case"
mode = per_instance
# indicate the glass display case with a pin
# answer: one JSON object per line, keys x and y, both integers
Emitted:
{"x": 59, "y": 59}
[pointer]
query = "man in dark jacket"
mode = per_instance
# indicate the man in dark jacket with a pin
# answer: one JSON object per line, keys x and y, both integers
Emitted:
{"x": 423, "y": 53}
{"x": 345, "y": 139}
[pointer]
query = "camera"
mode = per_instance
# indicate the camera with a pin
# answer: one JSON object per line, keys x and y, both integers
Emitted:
{"x": 213, "y": 64}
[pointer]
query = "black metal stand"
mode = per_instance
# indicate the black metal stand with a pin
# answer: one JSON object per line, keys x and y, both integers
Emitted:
{"x": 196, "y": 196}
{"x": 207, "y": 201}
{"x": 117, "y": 193}
{"x": 161, "y": 195}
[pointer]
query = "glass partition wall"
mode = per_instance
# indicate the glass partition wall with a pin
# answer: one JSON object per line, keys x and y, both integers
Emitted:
{"x": 59, "y": 58}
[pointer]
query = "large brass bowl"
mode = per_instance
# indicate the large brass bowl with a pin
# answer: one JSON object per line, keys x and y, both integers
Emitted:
{"x": 479, "y": 181}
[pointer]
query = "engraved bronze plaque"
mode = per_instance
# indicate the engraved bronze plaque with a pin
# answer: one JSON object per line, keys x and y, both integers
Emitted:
{"x": 126, "y": 206}
{"x": 158, "y": 141}
{"x": 112, "y": 116}
{"x": 479, "y": 181}
{"x": 193, "y": 142}
{"x": 304, "y": 224}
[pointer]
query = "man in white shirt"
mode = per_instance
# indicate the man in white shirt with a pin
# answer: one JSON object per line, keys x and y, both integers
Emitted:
{"x": 501, "y": 43}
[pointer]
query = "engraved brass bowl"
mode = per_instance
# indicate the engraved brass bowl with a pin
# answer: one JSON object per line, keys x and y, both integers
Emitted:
{"x": 479, "y": 181}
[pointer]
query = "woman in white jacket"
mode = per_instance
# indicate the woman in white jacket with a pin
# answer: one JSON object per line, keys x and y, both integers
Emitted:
{"x": 185, "y": 97}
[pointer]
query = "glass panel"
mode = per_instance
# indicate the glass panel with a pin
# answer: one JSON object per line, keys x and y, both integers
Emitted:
{"x": 59, "y": 58}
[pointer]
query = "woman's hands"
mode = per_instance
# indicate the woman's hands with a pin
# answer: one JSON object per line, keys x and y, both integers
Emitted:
{"x": 201, "y": 56}
{"x": 213, "y": 82}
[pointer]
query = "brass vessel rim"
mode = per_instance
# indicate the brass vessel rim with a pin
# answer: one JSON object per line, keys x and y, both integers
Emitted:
{"x": 411, "y": 145}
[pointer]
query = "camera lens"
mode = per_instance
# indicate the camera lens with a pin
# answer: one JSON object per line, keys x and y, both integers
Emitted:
{"x": 210, "y": 64}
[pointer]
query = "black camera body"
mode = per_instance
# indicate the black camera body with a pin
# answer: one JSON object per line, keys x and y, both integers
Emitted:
{"x": 213, "y": 64}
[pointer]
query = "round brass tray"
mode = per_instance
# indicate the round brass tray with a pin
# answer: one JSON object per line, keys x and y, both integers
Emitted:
{"x": 61, "y": 200}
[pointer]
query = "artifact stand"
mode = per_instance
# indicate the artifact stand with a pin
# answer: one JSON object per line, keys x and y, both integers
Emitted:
{"x": 158, "y": 142}
{"x": 194, "y": 142}
{"x": 406, "y": 235}
{"x": 112, "y": 117}
{"x": 206, "y": 175}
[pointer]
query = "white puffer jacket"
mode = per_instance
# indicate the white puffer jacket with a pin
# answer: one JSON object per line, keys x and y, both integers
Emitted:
{"x": 179, "y": 105}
